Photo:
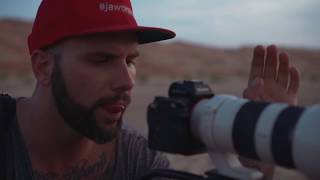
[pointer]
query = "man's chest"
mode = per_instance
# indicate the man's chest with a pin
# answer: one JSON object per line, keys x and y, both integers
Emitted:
{"x": 100, "y": 169}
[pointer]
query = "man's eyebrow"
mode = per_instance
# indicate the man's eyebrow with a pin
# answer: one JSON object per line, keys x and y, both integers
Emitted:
{"x": 101, "y": 54}
{"x": 111, "y": 54}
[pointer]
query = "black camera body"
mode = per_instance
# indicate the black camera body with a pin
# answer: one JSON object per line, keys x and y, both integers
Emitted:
{"x": 169, "y": 118}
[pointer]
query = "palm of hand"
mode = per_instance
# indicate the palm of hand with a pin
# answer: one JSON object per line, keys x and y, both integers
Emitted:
{"x": 271, "y": 79}
{"x": 275, "y": 93}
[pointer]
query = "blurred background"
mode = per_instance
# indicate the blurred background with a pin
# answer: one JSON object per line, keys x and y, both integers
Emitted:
{"x": 214, "y": 43}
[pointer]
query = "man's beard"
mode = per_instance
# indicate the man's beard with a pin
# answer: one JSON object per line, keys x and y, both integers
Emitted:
{"x": 80, "y": 118}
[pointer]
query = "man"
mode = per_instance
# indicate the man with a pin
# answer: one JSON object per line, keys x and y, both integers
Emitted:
{"x": 83, "y": 57}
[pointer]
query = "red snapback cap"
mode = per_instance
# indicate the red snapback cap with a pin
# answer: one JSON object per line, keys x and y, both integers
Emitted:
{"x": 59, "y": 19}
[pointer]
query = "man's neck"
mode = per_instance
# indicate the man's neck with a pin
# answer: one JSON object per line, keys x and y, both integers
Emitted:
{"x": 50, "y": 142}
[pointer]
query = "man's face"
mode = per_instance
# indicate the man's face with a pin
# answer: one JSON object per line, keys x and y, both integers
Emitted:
{"x": 92, "y": 81}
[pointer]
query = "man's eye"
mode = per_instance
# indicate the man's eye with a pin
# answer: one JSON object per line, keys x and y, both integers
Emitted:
{"x": 100, "y": 60}
{"x": 132, "y": 66}
{"x": 131, "y": 63}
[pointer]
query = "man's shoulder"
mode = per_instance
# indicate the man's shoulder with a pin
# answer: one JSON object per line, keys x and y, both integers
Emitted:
{"x": 7, "y": 113}
{"x": 7, "y": 110}
{"x": 130, "y": 138}
{"x": 127, "y": 132}
{"x": 134, "y": 157}
{"x": 6, "y": 101}
{"x": 135, "y": 145}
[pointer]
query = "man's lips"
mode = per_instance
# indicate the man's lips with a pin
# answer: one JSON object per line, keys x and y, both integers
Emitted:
{"x": 114, "y": 108}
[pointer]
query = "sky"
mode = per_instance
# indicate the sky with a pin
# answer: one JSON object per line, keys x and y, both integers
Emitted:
{"x": 226, "y": 23}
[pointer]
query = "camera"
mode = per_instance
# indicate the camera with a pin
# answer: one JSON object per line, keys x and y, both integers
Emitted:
{"x": 169, "y": 118}
{"x": 192, "y": 120}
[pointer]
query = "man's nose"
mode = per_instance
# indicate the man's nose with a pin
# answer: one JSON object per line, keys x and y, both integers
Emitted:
{"x": 123, "y": 78}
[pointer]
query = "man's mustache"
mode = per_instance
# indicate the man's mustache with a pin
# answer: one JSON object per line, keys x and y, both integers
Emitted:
{"x": 123, "y": 98}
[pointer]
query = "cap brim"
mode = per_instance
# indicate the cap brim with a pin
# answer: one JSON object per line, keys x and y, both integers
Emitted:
{"x": 144, "y": 34}
{"x": 152, "y": 34}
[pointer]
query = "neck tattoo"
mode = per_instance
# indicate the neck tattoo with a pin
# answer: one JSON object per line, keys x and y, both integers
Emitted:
{"x": 82, "y": 170}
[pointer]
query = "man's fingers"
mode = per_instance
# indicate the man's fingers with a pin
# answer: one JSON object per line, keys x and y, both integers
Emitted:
{"x": 257, "y": 64}
{"x": 271, "y": 63}
{"x": 294, "y": 81}
{"x": 283, "y": 73}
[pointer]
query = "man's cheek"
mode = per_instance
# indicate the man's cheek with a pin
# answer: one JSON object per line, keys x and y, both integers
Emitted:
{"x": 99, "y": 115}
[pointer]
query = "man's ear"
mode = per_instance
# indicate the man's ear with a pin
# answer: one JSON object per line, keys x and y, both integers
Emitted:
{"x": 42, "y": 65}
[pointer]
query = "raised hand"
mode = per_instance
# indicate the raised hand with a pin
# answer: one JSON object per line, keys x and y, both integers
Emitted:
{"x": 271, "y": 78}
